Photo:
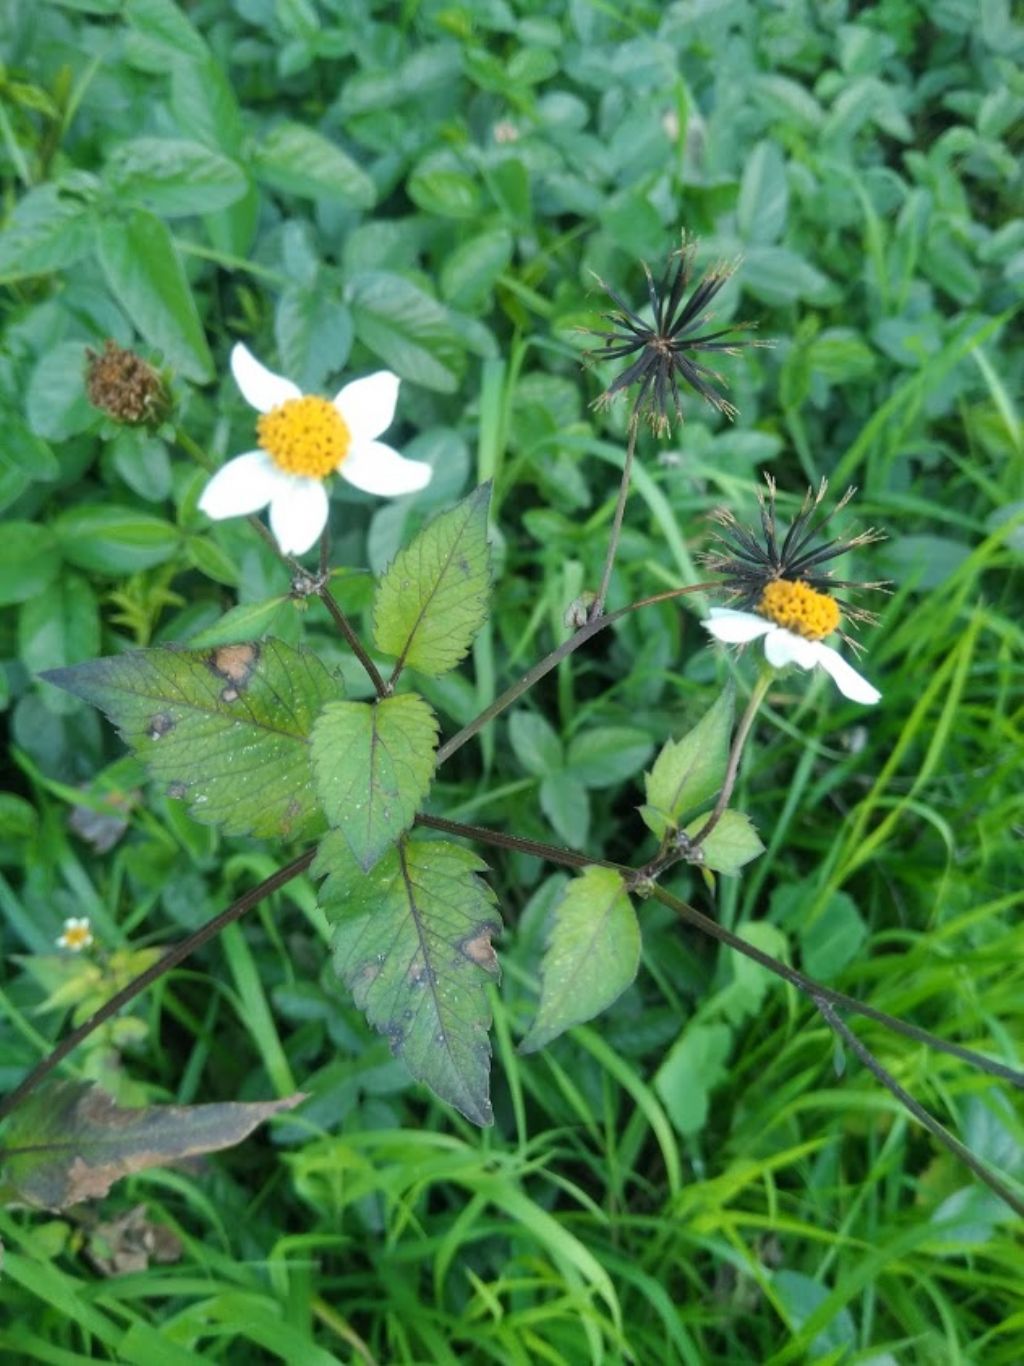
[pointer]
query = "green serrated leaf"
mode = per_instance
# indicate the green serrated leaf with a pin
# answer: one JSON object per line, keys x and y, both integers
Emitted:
{"x": 592, "y": 954}
{"x": 226, "y": 729}
{"x": 432, "y": 599}
{"x": 247, "y": 621}
{"x": 412, "y": 942}
{"x": 70, "y": 1142}
{"x": 373, "y": 763}
{"x": 142, "y": 269}
{"x": 689, "y": 772}
{"x": 732, "y": 843}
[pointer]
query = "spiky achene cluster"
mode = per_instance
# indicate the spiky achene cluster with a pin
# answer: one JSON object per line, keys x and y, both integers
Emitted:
{"x": 662, "y": 349}
{"x": 750, "y": 564}
{"x": 123, "y": 385}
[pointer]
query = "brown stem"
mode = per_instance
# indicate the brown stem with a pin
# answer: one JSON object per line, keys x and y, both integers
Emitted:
{"x": 597, "y": 609}
{"x": 551, "y": 661}
{"x": 735, "y": 754}
{"x": 821, "y": 996}
{"x": 343, "y": 624}
{"x": 926, "y": 1120}
{"x": 298, "y": 572}
{"x": 181, "y": 951}
{"x": 809, "y": 987}
{"x": 569, "y": 858}
{"x": 174, "y": 955}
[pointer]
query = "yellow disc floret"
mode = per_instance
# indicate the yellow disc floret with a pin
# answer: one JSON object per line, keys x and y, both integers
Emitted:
{"x": 306, "y": 436}
{"x": 798, "y": 608}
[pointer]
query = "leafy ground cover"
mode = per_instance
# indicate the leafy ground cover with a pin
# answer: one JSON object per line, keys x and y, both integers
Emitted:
{"x": 696, "y": 1176}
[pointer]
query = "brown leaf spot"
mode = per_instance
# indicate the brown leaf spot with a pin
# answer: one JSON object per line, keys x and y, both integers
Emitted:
{"x": 159, "y": 725}
{"x": 130, "y": 1243}
{"x": 89, "y": 1183}
{"x": 292, "y": 812}
{"x": 177, "y": 789}
{"x": 230, "y": 694}
{"x": 419, "y": 975}
{"x": 366, "y": 975}
{"x": 478, "y": 949}
{"x": 235, "y": 663}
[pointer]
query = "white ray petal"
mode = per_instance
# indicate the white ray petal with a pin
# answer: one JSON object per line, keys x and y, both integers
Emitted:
{"x": 782, "y": 647}
{"x": 376, "y": 468}
{"x": 368, "y": 405}
{"x": 260, "y": 387}
{"x": 243, "y": 485}
{"x": 298, "y": 514}
{"x": 735, "y": 628}
{"x": 846, "y": 678}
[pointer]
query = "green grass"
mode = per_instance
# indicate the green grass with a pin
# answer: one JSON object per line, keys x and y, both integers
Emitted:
{"x": 698, "y": 1175}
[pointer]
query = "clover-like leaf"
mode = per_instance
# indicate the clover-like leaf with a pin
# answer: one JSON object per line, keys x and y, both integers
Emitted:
{"x": 593, "y": 950}
{"x": 432, "y": 599}
{"x": 226, "y": 729}
{"x": 412, "y": 942}
{"x": 70, "y": 1141}
{"x": 373, "y": 763}
{"x": 690, "y": 771}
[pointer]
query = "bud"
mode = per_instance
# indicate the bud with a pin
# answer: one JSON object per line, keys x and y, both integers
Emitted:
{"x": 577, "y": 614}
{"x": 124, "y": 386}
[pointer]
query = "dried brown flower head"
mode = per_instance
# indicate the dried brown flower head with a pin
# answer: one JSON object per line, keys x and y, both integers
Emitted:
{"x": 663, "y": 350}
{"x": 123, "y": 385}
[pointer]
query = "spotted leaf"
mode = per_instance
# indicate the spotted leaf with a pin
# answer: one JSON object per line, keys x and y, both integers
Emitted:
{"x": 70, "y": 1142}
{"x": 432, "y": 599}
{"x": 373, "y": 763}
{"x": 412, "y": 942}
{"x": 225, "y": 729}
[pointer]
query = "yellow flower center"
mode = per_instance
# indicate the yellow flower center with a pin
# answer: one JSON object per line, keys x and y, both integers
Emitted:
{"x": 797, "y": 607}
{"x": 76, "y": 937}
{"x": 306, "y": 436}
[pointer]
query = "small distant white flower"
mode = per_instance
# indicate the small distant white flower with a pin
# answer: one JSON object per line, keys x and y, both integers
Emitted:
{"x": 302, "y": 439}
{"x": 77, "y": 934}
{"x": 782, "y": 647}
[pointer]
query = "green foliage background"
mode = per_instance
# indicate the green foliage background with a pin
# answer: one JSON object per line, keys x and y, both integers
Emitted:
{"x": 429, "y": 186}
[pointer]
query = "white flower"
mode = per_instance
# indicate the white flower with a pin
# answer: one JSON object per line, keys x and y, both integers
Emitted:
{"x": 77, "y": 934}
{"x": 782, "y": 647}
{"x": 302, "y": 439}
